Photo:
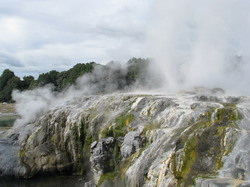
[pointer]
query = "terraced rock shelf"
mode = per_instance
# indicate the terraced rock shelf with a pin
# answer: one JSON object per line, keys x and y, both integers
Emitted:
{"x": 136, "y": 140}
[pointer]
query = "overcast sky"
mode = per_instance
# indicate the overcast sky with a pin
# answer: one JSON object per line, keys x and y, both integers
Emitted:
{"x": 37, "y": 36}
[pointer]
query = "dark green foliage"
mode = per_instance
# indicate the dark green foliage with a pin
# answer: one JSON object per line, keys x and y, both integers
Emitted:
{"x": 67, "y": 78}
{"x": 62, "y": 80}
{"x": 8, "y": 82}
{"x": 27, "y": 81}
{"x": 48, "y": 78}
{"x": 5, "y": 77}
{"x": 110, "y": 77}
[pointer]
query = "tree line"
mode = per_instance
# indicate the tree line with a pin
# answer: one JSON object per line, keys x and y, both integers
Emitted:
{"x": 135, "y": 70}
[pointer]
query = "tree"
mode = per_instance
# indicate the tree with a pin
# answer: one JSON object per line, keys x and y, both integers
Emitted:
{"x": 48, "y": 78}
{"x": 69, "y": 77}
{"x": 27, "y": 81}
{"x": 5, "y": 77}
{"x": 12, "y": 84}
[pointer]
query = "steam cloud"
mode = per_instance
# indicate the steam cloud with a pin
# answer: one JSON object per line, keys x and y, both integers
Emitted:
{"x": 32, "y": 104}
{"x": 202, "y": 43}
{"x": 193, "y": 43}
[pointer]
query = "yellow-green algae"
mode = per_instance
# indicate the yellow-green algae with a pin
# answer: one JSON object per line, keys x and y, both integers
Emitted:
{"x": 117, "y": 177}
{"x": 204, "y": 140}
{"x": 120, "y": 128}
{"x": 117, "y": 166}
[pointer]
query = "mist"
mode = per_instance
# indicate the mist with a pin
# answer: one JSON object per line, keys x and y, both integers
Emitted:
{"x": 193, "y": 43}
{"x": 108, "y": 79}
{"x": 200, "y": 43}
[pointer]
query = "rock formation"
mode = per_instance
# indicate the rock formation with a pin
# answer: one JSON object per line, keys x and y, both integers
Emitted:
{"x": 136, "y": 140}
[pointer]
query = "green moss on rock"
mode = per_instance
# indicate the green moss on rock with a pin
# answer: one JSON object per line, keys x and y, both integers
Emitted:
{"x": 107, "y": 132}
{"x": 151, "y": 126}
{"x": 122, "y": 124}
{"x": 149, "y": 111}
{"x": 200, "y": 149}
{"x": 106, "y": 176}
{"x": 119, "y": 128}
{"x": 228, "y": 113}
{"x": 118, "y": 167}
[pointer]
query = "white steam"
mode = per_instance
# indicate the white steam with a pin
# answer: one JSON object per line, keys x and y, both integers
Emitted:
{"x": 202, "y": 43}
{"x": 32, "y": 104}
{"x": 193, "y": 42}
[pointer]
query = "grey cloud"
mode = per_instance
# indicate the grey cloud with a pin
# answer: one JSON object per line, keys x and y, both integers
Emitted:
{"x": 9, "y": 60}
{"x": 60, "y": 33}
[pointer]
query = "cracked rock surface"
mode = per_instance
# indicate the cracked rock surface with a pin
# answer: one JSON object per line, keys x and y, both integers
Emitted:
{"x": 136, "y": 140}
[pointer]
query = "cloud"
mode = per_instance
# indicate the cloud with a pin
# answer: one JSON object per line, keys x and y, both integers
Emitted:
{"x": 12, "y": 31}
{"x": 65, "y": 32}
{"x": 8, "y": 60}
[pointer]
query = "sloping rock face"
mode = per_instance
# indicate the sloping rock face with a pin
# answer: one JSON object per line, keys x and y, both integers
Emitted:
{"x": 136, "y": 140}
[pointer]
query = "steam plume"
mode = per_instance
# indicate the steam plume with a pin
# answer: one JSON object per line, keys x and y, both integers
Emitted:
{"x": 32, "y": 104}
{"x": 202, "y": 43}
{"x": 193, "y": 42}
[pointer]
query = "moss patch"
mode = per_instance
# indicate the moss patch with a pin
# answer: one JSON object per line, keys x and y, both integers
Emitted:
{"x": 107, "y": 132}
{"x": 149, "y": 111}
{"x": 125, "y": 164}
{"x": 122, "y": 123}
{"x": 86, "y": 138}
{"x": 228, "y": 114}
{"x": 22, "y": 152}
{"x": 199, "y": 150}
{"x": 106, "y": 176}
{"x": 151, "y": 126}
{"x": 120, "y": 128}
{"x": 82, "y": 140}
{"x": 118, "y": 167}
{"x": 117, "y": 177}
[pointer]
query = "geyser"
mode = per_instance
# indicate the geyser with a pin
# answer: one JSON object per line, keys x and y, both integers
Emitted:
{"x": 202, "y": 43}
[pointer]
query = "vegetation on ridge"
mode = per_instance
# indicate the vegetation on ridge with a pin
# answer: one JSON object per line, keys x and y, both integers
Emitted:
{"x": 136, "y": 70}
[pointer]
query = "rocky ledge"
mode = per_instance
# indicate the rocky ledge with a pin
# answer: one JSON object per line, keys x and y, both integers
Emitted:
{"x": 135, "y": 140}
